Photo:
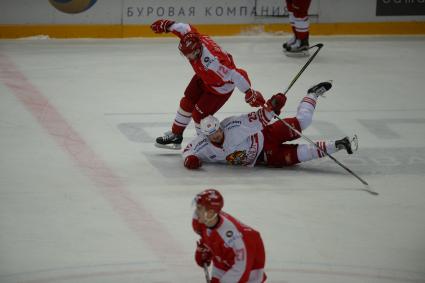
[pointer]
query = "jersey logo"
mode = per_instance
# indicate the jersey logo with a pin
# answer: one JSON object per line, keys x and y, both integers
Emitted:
{"x": 236, "y": 158}
{"x": 229, "y": 234}
{"x": 189, "y": 146}
{"x": 208, "y": 61}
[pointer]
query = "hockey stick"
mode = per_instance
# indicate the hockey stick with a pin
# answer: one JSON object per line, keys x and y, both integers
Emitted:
{"x": 367, "y": 189}
{"x": 319, "y": 46}
{"x": 207, "y": 274}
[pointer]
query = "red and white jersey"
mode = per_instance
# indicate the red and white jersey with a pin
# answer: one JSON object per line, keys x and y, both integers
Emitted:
{"x": 243, "y": 140}
{"x": 237, "y": 250}
{"x": 214, "y": 66}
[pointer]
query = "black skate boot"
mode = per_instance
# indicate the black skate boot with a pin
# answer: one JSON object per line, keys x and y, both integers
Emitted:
{"x": 298, "y": 49}
{"x": 288, "y": 43}
{"x": 350, "y": 145}
{"x": 320, "y": 88}
{"x": 169, "y": 140}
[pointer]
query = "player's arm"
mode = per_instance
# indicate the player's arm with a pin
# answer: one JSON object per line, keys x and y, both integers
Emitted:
{"x": 240, "y": 78}
{"x": 192, "y": 155}
{"x": 165, "y": 26}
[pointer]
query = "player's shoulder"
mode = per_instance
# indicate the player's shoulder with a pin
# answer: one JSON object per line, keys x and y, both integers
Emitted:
{"x": 197, "y": 143}
{"x": 231, "y": 122}
{"x": 229, "y": 229}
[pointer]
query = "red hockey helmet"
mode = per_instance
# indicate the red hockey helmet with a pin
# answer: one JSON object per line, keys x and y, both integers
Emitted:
{"x": 190, "y": 43}
{"x": 210, "y": 199}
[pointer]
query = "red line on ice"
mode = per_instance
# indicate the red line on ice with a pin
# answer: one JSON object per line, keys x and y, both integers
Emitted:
{"x": 109, "y": 185}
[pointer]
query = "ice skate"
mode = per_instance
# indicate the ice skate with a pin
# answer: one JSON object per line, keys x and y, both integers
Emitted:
{"x": 320, "y": 88}
{"x": 350, "y": 145}
{"x": 298, "y": 49}
{"x": 170, "y": 141}
{"x": 288, "y": 43}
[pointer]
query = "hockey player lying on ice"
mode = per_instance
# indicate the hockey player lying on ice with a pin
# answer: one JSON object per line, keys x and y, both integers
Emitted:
{"x": 235, "y": 249}
{"x": 253, "y": 138}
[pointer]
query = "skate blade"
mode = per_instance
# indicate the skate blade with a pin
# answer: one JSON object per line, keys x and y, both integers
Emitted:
{"x": 354, "y": 143}
{"x": 169, "y": 146}
{"x": 304, "y": 53}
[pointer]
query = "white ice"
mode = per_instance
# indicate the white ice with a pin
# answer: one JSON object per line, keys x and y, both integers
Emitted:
{"x": 86, "y": 197}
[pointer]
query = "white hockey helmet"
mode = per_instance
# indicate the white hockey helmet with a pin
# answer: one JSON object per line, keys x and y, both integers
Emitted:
{"x": 209, "y": 125}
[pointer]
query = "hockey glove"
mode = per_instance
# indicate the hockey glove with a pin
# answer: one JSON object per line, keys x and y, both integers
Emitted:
{"x": 192, "y": 162}
{"x": 276, "y": 103}
{"x": 161, "y": 26}
{"x": 202, "y": 254}
{"x": 254, "y": 98}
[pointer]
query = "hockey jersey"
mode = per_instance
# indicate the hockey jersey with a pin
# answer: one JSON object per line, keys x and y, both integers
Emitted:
{"x": 237, "y": 249}
{"x": 243, "y": 140}
{"x": 215, "y": 66}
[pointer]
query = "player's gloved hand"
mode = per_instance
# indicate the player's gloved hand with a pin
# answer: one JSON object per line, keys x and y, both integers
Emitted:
{"x": 202, "y": 254}
{"x": 276, "y": 103}
{"x": 160, "y": 26}
{"x": 254, "y": 98}
{"x": 215, "y": 280}
{"x": 192, "y": 162}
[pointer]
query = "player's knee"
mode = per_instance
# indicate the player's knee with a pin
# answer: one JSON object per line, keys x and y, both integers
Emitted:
{"x": 187, "y": 104}
{"x": 197, "y": 115}
{"x": 299, "y": 14}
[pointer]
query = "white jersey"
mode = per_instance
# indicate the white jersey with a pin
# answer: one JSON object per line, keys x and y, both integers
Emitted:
{"x": 243, "y": 140}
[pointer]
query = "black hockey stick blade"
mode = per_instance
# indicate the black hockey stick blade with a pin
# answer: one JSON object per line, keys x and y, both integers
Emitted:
{"x": 318, "y": 45}
{"x": 370, "y": 191}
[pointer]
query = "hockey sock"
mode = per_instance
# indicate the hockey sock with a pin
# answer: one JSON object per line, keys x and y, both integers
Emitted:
{"x": 301, "y": 27}
{"x": 308, "y": 152}
{"x": 181, "y": 121}
{"x": 305, "y": 110}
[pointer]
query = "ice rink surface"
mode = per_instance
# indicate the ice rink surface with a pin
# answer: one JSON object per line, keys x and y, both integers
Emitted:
{"x": 86, "y": 197}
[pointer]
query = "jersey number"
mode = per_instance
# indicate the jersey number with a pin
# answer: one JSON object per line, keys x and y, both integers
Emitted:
{"x": 252, "y": 117}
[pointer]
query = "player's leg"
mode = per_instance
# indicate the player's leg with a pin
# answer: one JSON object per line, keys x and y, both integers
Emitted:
{"x": 307, "y": 152}
{"x": 307, "y": 105}
{"x": 292, "y": 40}
{"x": 278, "y": 132}
{"x": 291, "y": 154}
{"x": 300, "y": 26}
{"x": 174, "y": 138}
{"x": 208, "y": 104}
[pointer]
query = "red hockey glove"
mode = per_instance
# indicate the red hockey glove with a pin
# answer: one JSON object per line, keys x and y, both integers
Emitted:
{"x": 160, "y": 26}
{"x": 202, "y": 254}
{"x": 192, "y": 162}
{"x": 276, "y": 103}
{"x": 254, "y": 98}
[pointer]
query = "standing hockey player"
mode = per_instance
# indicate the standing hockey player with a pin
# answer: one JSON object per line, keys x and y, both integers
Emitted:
{"x": 251, "y": 139}
{"x": 298, "y": 16}
{"x": 235, "y": 250}
{"x": 216, "y": 76}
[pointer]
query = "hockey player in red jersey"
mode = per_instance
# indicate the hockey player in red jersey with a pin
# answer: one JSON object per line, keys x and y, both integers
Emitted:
{"x": 216, "y": 76}
{"x": 298, "y": 17}
{"x": 235, "y": 249}
{"x": 255, "y": 138}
